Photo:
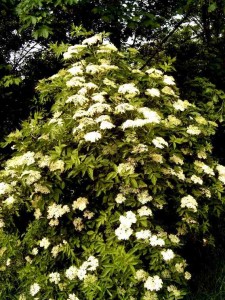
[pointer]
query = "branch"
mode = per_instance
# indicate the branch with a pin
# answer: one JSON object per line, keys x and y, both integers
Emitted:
{"x": 24, "y": 55}
{"x": 165, "y": 39}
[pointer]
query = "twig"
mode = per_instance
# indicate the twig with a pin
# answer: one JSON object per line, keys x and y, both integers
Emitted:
{"x": 165, "y": 39}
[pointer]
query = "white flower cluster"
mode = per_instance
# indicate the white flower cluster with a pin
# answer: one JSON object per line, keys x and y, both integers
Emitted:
{"x": 78, "y": 224}
{"x": 76, "y": 70}
{"x": 9, "y": 201}
{"x": 221, "y": 171}
{"x": 92, "y": 40}
{"x": 169, "y": 80}
{"x": 106, "y": 125}
{"x": 150, "y": 115}
{"x": 128, "y": 89}
{"x": 90, "y": 265}
{"x": 179, "y": 173}
{"x": 31, "y": 176}
{"x": 144, "y": 211}
{"x": 201, "y": 166}
{"x": 125, "y": 169}
{"x": 57, "y": 165}
{"x": 25, "y": 159}
{"x": 98, "y": 108}
{"x": 107, "y": 47}
{"x": 54, "y": 277}
{"x": 153, "y": 283}
{"x": 76, "y": 49}
{"x": 135, "y": 123}
{"x": 157, "y": 157}
{"x": 4, "y": 188}
{"x": 156, "y": 241}
{"x": 124, "y": 231}
{"x": 167, "y": 254}
{"x": 44, "y": 243}
{"x": 172, "y": 121}
{"x": 154, "y": 73}
{"x": 140, "y": 148}
{"x": 177, "y": 160}
{"x": 76, "y": 82}
{"x": 152, "y": 92}
{"x": 143, "y": 234}
{"x": 120, "y": 198}
{"x": 196, "y": 179}
{"x": 168, "y": 91}
{"x": 175, "y": 292}
{"x": 71, "y": 272}
{"x": 159, "y": 142}
{"x": 34, "y": 289}
{"x": 189, "y": 202}
{"x": 193, "y": 130}
{"x": 144, "y": 197}
{"x": 92, "y": 136}
{"x": 38, "y": 188}
{"x": 181, "y": 105}
{"x": 72, "y": 297}
{"x": 80, "y": 203}
{"x": 57, "y": 210}
{"x": 141, "y": 275}
{"x": 123, "y": 107}
{"x": 77, "y": 99}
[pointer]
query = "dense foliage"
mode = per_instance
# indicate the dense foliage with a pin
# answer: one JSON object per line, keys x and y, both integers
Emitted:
{"x": 98, "y": 199}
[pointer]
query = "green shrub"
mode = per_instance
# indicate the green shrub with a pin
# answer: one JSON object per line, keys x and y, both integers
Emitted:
{"x": 98, "y": 198}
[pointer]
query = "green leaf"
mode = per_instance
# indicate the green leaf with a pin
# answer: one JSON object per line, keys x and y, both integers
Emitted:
{"x": 212, "y": 7}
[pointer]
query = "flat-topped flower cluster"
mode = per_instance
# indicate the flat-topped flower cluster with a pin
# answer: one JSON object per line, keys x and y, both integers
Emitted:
{"x": 87, "y": 192}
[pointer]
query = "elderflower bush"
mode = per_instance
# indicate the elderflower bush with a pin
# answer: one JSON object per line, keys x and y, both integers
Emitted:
{"x": 87, "y": 196}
